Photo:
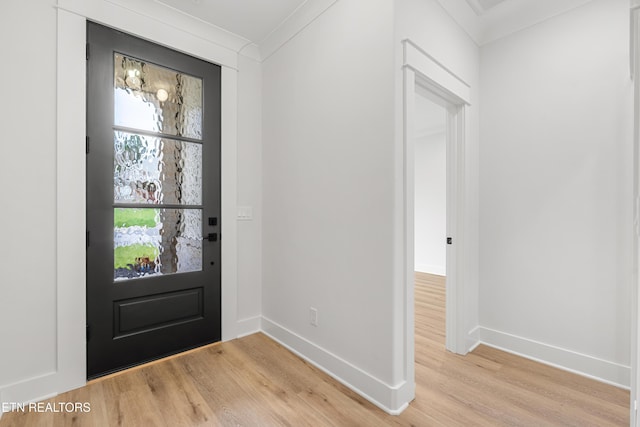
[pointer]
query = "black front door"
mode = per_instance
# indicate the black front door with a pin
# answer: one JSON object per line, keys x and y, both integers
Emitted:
{"x": 153, "y": 201}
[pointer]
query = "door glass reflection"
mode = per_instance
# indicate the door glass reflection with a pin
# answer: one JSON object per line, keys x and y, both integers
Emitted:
{"x": 156, "y": 241}
{"x": 154, "y": 170}
{"x": 157, "y": 99}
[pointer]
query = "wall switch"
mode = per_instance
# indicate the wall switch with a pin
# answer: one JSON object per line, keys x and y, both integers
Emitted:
{"x": 245, "y": 213}
{"x": 313, "y": 316}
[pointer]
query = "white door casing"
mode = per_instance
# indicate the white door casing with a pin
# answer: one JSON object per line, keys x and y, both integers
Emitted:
{"x": 422, "y": 73}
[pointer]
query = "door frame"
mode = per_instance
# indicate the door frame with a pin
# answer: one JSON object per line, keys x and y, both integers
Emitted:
{"x": 110, "y": 301}
{"x": 634, "y": 56}
{"x": 187, "y": 37}
{"x": 422, "y": 72}
{"x": 454, "y": 141}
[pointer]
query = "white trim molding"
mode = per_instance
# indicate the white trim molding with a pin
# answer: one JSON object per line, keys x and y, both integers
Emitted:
{"x": 634, "y": 57}
{"x": 488, "y": 25}
{"x": 562, "y": 358}
{"x": 249, "y": 326}
{"x": 426, "y": 75}
{"x": 70, "y": 371}
{"x": 422, "y": 73}
{"x": 444, "y": 82}
{"x": 301, "y": 18}
{"x": 438, "y": 270}
{"x": 229, "y": 225}
{"x": 161, "y": 24}
{"x": 385, "y": 396}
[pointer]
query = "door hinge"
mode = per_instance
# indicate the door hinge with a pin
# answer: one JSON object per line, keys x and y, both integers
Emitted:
{"x": 88, "y": 332}
{"x": 87, "y": 51}
{"x": 87, "y": 145}
{"x": 88, "y": 238}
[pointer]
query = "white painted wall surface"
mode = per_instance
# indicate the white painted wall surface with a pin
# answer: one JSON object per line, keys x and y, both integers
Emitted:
{"x": 431, "y": 203}
{"x": 28, "y": 250}
{"x": 328, "y": 193}
{"x": 556, "y": 191}
{"x": 249, "y": 194}
{"x": 430, "y": 27}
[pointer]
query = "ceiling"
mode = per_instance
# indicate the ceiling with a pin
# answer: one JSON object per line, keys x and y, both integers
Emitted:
{"x": 488, "y": 20}
{"x": 488, "y": 4}
{"x": 252, "y": 19}
{"x": 481, "y": 6}
{"x": 268, "y": 23}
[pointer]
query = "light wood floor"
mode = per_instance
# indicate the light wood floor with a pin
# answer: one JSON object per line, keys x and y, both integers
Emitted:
{"x": 253, "y": 381}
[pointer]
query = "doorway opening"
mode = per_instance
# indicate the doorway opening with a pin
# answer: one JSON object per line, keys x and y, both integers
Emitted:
{"x": 425, "y": 76}
{"x": 430, "y": 217}
{"x": 440, "y": 110}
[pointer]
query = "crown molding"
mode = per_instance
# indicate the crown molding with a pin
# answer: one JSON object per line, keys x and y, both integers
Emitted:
{"x": 476, "y": 6}
{"x": 505, "y": 18}
{"x": 210, "y": 38}
{"x": 167, "y": 13}
{"x": 465, "y": 16}
{"x": 302, "y": 17}
{"x": 516, "y": 15}
{"x": 251, "y": 51}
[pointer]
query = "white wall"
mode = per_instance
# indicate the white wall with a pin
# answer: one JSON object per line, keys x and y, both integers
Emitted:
{"x": 555, "y": 191}
{"x": 430, "y": 186}
{"x": 249, "y": 194}
{"x": 430, "y": 156}
{"x": 28, "y": 250}
{"x": 328, "y": 194}
{"x": 429, "y": 26}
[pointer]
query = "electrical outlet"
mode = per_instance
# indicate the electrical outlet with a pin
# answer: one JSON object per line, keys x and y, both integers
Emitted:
{"x": 313, "y": 316}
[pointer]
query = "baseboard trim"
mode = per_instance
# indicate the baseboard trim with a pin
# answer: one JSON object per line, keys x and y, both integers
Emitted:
{"x": 567, "y": 360}
{"x": 248, "y": 326}
{"x": 473, "y": 339}
{"x": 438, "y": 270}
{"x": 44, "y": 387}
{"x": 386, "y": 397}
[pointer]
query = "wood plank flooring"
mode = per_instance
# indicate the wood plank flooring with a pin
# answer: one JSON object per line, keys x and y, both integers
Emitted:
{"x": 254, "y": 381}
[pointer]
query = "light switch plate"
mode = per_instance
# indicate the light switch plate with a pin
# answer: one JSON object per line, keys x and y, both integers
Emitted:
{"x": 245, "y": 213}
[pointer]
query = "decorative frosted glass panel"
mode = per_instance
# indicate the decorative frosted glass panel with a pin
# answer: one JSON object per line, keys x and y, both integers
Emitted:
{"x": 157, "y": 99}
{"x": 151, "y": 242}
{"x": 156, "y": 170}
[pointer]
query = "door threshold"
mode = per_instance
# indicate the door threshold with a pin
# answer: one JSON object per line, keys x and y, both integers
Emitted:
{"x": 152, "y": 362}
